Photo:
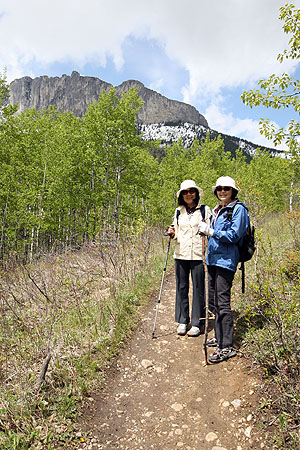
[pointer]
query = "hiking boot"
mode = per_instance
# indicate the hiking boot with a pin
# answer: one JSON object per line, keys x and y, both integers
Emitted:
{"x": 194, "y": 331}
{"x": 212, "y": 342}
{"x": 181, "y": 330}
{"x": 222, "y": 354}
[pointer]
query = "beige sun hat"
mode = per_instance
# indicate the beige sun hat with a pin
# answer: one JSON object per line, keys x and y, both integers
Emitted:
{"x": 225, "y": 181}
{"x": 188, "y": 184}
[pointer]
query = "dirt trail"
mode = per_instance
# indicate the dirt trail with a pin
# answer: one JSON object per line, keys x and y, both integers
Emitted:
{"x": 159, "y": 395}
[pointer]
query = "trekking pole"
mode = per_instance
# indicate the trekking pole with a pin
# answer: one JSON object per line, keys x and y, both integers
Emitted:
{"x": 204, "y": 250}
{"x": 242, "y": 268}
{"x": 161, "y": 286}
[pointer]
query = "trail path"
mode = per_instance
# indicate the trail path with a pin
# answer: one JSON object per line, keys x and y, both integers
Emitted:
{"x": 158, "y": 395}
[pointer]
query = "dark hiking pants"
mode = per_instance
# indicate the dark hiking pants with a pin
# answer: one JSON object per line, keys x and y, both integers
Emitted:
{"x": 219, "y": 288}
{"x": 183, "y": 269}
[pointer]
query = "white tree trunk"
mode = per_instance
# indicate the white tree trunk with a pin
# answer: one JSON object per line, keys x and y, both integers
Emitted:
{"x": 291, "y": 196}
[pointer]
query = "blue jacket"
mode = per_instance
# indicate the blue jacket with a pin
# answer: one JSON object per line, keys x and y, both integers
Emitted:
{"x": 222, "y": 250}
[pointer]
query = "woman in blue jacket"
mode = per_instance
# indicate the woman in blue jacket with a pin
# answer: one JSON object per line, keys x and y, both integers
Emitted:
{"x": 228, "y": 225}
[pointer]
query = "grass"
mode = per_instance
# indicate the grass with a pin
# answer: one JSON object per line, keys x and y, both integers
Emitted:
{"x": 268, "y": 327}
{"x": 77, "y": 309}
{"x": 80, "y": 307}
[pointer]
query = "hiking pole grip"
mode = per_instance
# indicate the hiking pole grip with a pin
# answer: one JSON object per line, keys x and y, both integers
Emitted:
{"x": 161, "y": 286}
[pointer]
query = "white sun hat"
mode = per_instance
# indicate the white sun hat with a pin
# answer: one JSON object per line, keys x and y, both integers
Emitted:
{"x": 225, "y": 181}
{"x": 188, "y": 184}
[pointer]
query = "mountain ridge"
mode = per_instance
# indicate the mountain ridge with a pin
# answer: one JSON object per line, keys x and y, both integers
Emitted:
{"x": 75, "y": 93}
{"x": 160, "y": 118}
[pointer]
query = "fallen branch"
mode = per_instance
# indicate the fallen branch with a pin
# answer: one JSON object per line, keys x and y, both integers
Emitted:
{"x": 43, "y": 372}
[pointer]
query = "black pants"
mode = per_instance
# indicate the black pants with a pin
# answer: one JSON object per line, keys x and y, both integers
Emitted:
{"x": 183, "y": 269}
{"x": 219, "y": 289}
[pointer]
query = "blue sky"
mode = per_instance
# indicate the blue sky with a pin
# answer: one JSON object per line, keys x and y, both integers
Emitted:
{"x": 205, "y": 53}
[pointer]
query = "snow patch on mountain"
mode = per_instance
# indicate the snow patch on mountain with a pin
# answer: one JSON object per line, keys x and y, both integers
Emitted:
{"x": 169, "y": 134}
{"x": 187, "y": 132}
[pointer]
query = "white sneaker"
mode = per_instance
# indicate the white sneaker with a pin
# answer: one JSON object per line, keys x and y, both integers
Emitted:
{"x": 194, "y": 331}
{"x": 212, "y": 342}
{"x": 181, "y": 330}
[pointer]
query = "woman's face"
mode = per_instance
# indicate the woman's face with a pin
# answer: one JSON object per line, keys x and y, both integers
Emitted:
{"x": 224, "y": 194}
{"x": 189, "y": 197}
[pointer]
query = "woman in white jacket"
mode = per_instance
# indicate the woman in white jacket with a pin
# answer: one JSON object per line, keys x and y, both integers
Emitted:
{"x": 188, "y": 257}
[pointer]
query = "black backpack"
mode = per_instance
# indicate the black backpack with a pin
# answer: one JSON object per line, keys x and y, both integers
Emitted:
{"x": 247, "y": 248}
{"x": 247, "y": 244}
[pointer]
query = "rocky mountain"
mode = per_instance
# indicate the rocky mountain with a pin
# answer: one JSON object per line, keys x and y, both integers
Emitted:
{"x": 75, "y": 93}
{"x": 159, "y": 118}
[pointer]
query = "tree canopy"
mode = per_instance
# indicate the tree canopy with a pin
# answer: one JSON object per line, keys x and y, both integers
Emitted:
{"x": 65, "y": 181}
{"x": 283, "y": 91}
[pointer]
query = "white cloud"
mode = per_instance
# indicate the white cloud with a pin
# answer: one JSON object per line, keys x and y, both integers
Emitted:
{"x": 220, "y": 119}
{"x": 221, "y": 43}
{"x": 156, "y": 85}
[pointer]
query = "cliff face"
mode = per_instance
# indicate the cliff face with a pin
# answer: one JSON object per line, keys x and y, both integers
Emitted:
{"x": 160, "y": 109}
{"x": 69, "y": 93}
{"x": 75, "y": 93}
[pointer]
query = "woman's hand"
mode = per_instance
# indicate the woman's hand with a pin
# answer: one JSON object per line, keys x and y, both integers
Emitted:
{"x": 171, "y": 231}
{"x": 204, "y": 228}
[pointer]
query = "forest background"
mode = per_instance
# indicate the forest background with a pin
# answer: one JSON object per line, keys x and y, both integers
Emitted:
{"x": 83, "y": 204}
{"x": 65, "y": 181}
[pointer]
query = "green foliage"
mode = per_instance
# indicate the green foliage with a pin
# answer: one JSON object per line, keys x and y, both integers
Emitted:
{"x": 210, "y": 162}
{"x": 271, "y": 312}
{"x": 205, "y": 162}
{"x": 291, "y": 17}
{"x": 257, "y": 184}
{"x": 65, "y": 181}
{"x": 282, "y": 92}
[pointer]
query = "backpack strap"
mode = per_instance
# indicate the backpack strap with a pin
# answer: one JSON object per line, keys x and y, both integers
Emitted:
{"x": 231, "y": 208}
{"x": 177, "y": 214}
{"x": 201, "y": 208}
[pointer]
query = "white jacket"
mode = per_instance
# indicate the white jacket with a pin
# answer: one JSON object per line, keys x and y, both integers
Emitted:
{"x": 188, "y": 243}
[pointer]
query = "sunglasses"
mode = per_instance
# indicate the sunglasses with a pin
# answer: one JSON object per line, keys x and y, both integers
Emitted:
{"x": 189, "y": 191}
{"x": 223, "y": 188}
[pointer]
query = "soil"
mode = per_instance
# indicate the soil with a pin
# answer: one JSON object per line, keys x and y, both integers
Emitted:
{"x": 159, "y": 394}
